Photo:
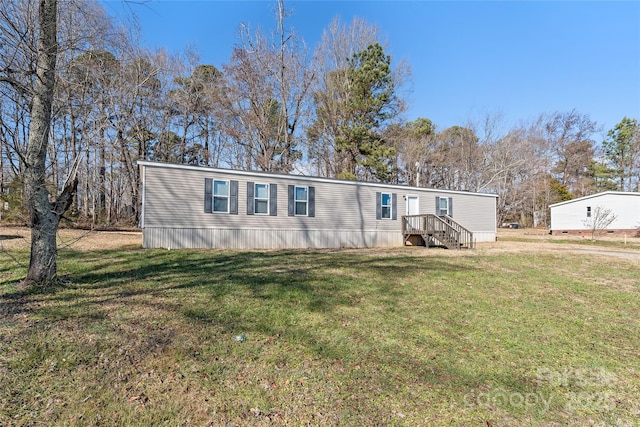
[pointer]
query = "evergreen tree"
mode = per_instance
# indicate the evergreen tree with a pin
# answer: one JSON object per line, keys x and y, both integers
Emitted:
{"x": 371, "y": 101}
{"x": 622, "y": 149}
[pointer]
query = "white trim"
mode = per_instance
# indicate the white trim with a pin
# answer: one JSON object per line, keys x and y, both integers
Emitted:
{"x": 268, "y": 175}
{"x": 268, "y": 198}
{"x": 213, "y": 196}
{"x": 390, "y": 206}
{"x": 439, "y": 207}
{"x": 144, "y": 193}
{"x": 406, "y": 198}
{"x": 295, "y": 200}
{"x": 612, "y": 193}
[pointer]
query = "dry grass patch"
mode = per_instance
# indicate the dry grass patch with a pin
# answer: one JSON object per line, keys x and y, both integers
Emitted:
{"x": 403, "y": 337}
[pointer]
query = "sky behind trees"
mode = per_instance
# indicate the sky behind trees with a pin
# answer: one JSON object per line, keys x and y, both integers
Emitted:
{"x": 563, "y": 75}
{"x": 468, "y": 59}
{"x": 108, "y": 94}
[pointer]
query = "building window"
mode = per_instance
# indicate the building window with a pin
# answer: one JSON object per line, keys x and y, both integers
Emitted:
{"x": 443, "y": 206}
{"x": 261, "y": 199}
{"x": 588, "y": 211}
{"x": 301, "y": 200}
{"x": 386, "y": 205}
{"x": 221, "y": 196}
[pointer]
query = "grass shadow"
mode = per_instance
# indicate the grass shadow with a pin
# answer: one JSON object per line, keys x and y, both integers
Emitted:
{"x": 342, "y": 332}
{"x": 10, "y": 237}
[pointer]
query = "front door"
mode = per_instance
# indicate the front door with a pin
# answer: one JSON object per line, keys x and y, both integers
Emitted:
{"x": 413, "y": 207}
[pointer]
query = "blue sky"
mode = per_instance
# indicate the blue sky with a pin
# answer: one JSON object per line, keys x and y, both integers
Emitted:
{"x": 468, "y": 59}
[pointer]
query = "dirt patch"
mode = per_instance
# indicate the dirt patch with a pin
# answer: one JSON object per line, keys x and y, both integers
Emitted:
{"x": 509, "y": 241}
{"x": 80, "y": 240}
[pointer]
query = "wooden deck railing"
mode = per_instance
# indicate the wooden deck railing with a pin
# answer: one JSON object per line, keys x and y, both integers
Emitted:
{"x": 436, "y": 229}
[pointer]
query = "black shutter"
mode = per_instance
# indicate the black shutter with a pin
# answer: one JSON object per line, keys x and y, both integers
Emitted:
{"x": 273, "y": 199}
{"x": 233, "y": 197}
{"x": 208, "y": 199}
{"x": 437, "y": 205}
{"x": 292, "y": 202}
{"x": 250, "y": 202}
{"x": 311, "y": 209}
{"x": 394, "y": 209}
{"x": 378, "y": 205}
{"x": 451, "y": 206}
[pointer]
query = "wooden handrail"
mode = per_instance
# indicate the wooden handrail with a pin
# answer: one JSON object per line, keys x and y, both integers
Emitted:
{"x": 444, "y": 229}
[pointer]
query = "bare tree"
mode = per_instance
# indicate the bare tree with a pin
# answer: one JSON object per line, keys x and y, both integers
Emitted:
{"x": 330, "y": 91}
{"x": 44, "y": 213}
{"x": 414, "y": 143}
{"x": 266, "y": 95}
{"x": 571, "y": 149}
{"x": 600, "y": 220}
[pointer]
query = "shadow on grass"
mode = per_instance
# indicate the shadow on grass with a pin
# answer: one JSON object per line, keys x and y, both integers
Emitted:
{"x": 423, "y": 329}
{"x": 320, "y": 281}
{"x": 136, "y": 272}
{"x": 10, "y": 237}
{"x": 248, "y": 292}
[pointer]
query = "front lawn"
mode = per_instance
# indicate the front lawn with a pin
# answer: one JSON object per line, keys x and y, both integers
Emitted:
{"x": 156, "y": 337}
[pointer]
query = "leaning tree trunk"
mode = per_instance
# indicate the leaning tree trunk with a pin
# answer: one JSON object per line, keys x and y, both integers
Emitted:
{"x": 44, "y": 215}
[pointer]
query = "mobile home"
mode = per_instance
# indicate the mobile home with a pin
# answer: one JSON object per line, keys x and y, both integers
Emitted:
{"x": 187, "y": 206}
{"x": 577, "y": 216}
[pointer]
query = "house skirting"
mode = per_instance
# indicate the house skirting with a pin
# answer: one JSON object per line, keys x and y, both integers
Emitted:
{"x": 629, "y": 232}
{"x": 222, "y": 238}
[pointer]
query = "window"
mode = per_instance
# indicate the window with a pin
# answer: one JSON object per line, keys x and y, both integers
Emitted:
{"x": 301, "y": 200}
{"x": 588, "y": 211}
{"x": 444, "y": 206}
{"x": 386, "y": 206}
{"x": 220, "y": 196}
{"x": 261, "y": 199}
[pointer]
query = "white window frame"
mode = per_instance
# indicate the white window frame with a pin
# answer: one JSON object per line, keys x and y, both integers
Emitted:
{"x": 296, "y": 201}
{"x": 383, "y": 206}
{"x": 257, "y": 199}
{"x": 445, "y": 209}
{"x": 215, "y": 196}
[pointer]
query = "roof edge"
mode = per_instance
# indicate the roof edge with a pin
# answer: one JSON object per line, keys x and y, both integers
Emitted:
{"x": 619, "y": 193}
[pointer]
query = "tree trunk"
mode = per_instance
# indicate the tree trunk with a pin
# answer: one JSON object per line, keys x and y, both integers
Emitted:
{"x": 44, "y": 215}
{"x": 1, "y": 163}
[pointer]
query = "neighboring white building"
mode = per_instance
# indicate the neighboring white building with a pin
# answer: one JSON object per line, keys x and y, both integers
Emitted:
{"x": 575, "y": 216}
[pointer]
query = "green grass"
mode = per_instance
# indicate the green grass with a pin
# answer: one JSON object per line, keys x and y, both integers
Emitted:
{"x": 146, "y": 337}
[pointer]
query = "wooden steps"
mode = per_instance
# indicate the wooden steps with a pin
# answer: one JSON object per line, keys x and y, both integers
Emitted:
{"x": 437, "y": 231}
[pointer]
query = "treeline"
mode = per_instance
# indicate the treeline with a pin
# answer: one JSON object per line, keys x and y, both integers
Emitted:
{"x": 278, "y": 106}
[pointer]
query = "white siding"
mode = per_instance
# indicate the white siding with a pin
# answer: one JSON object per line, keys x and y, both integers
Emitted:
{"x": 572, "y": 215}
{"x": 345, "y": 212}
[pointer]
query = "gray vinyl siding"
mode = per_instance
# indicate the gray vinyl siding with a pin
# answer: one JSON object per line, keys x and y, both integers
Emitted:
{"x": 344, "y": 215}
